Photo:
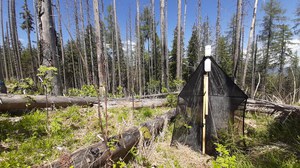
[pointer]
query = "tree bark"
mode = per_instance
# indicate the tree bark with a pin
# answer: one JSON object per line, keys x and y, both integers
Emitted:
{"x": 199, "y": 30}
{"x": 178, "y": 54}
{"x": 86, "y": 66}
{"x": 131, "y": 57}
{"x": 253, "y": 72}
{"x": 152, "y": 77}
{"x": 127, "y": 60}
{"x": 10, "y": 59}
{"x": 37, "y": 23}
{"x": 113, "y": 64}
{"x": 3, "y": 42}
{"x": 166, "y": 45}
{"x": 237, "y": 37}
{"x": 183, "y": 33}
{"x": 117, "y": 44}
{"x": 64, "y": 82}
{"x": 49, "y": 42}
{"x": 139, "y": 48}
{"x": 100, "y": 58}
{"x": 164, "y": 48}
{"x": 81, "y": 63}
{"x": 270, "y": 107}
{"x": 28, "y": 30}
{"x": 22, "y": 102}
{"x": 15, "y": 38}
{"x": 250, "y": 43}
{"x": 218, "y": 30}
{"x": 90, "y": 43}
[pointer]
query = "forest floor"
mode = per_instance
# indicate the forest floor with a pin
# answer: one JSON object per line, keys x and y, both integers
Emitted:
{"x": 31, "y": 139}
{"x": 270, "y": 142}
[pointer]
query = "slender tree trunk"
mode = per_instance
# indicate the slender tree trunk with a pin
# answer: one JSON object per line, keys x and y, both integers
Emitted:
{"x": 12, "y": 39}
{"x": 100, "y": 58}
{"x": 218, "y": 30}
{"x": 131, "y": 57}
{"x": 117, "y": 44}
{"x": 49, "y": 42}
{"x": 281, "y": 61}
{"x": 178, "y": 54}
{"x": 254, "y": 53}
{"x": 86, "y": 66}
{"x": 91, "y": 44}
{"x": 166, "y": 46}
{"x": 237, "y": 37}
{"x": 10, "y": 59}
{"x": 105, "y": 49}
{"x": 16, "y": 38}
{"x": 113, "y": 64}
{"x": 3, "y": 42}
{"x": 74, "y": 70}
{"x": 153, "y": 40}
{"x": 164, "y": 56}
{"x": 183, "y": 33}
{"x": 199, "y": 16}
{"x": 250, "y": 43}
{"x": 73, "y": 67}
{"x": 266, "y": 58}
{"x": 64, "y": 82}
{"x": 33, "y": 61}
{"x": 37, "y": 23}
{"x": 127, "y": 60}
{"x": 139, "y": 47}
{"x": 78, "y": 44}
{"x": 1, "y": 70}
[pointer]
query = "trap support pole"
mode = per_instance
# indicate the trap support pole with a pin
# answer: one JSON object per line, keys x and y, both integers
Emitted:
{"x": 207, "y": 69}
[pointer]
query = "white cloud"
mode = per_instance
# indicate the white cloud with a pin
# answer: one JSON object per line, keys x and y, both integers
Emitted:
{"x": 295, "y": 45}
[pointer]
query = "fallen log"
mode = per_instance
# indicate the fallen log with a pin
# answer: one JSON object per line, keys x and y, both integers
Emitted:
{"x": 26, "y": 102}
{"x": 118, "y": 147}
{"x": 118, "y": 103}
{"x": 22, "y": 102}
{"x": 270, "y": 107}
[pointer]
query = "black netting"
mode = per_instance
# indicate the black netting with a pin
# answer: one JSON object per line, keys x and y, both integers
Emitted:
{"x": 225, "y": 100}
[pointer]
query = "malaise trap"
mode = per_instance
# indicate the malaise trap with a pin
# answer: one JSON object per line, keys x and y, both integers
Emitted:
{"x": 206, "y": 106}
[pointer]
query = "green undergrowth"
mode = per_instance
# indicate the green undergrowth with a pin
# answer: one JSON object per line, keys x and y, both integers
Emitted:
{"x": 26, "y": 141}
{"x": 269, "y": 143}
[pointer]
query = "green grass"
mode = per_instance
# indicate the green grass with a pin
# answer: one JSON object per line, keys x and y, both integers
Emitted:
{"x": 27, "y": 141}
{"x": 270, "y": 144}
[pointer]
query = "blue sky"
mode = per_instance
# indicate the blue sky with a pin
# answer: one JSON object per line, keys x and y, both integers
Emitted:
{"x": 208, "y": 9}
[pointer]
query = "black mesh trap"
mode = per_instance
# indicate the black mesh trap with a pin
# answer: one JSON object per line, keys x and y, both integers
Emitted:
{"x": 225, "y": 99}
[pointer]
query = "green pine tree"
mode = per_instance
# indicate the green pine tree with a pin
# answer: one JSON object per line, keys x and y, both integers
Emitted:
{"x": 192, "y": 54}
{"x": 225, "y": 59}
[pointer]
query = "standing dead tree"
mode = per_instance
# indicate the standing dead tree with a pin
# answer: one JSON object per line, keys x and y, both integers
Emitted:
{"x": 48, "y": 40}
{"x": 237, "y": 37}
{"x": 250, "y": 43}
{"x": 178, "y": 54}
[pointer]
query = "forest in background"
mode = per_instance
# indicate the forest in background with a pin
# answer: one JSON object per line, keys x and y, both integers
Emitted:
{"x": 266, "y": 67}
